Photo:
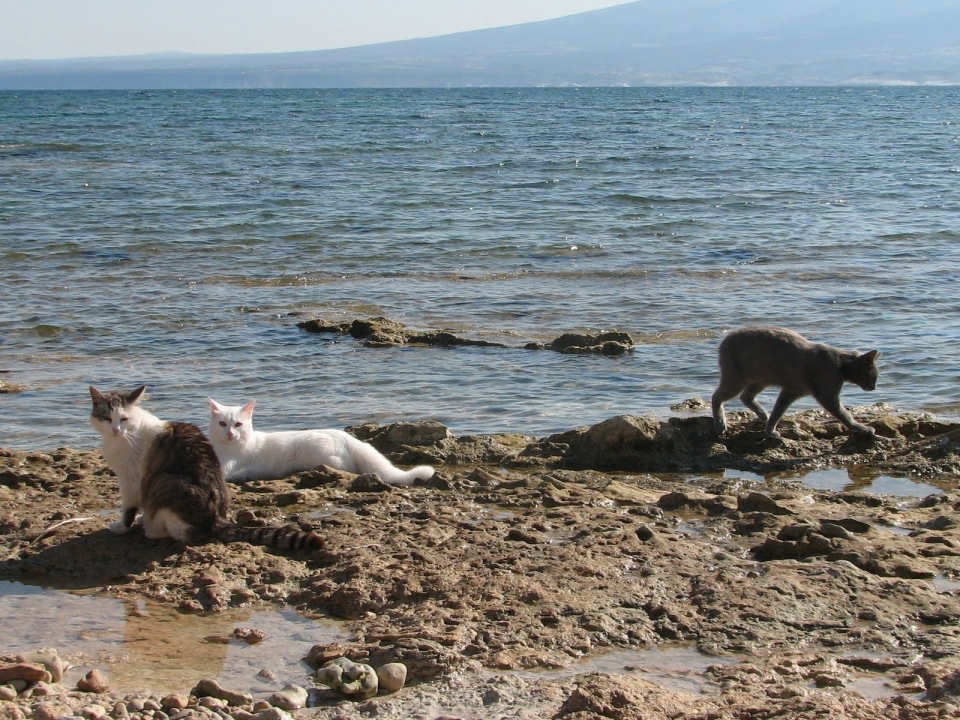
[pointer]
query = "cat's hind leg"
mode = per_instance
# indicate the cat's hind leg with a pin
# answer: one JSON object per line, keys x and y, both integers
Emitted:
{"x": 749, "y": 399}
{"x": 126, "y": 523}
{"x": 784, "y": 400}
{"x": 166, "y": 523}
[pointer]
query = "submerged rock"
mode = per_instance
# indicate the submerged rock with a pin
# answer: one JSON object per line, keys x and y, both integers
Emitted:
{"x": 211, "y": 688}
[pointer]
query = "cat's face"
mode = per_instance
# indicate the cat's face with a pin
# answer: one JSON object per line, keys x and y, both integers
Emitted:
{"x": 231, "y": 423}
{"x": 115, "y": 412}
{"x": 866, "y": 372}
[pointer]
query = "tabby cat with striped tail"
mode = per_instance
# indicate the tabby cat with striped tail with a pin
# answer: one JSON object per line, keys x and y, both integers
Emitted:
{"x": 169, "y": 472}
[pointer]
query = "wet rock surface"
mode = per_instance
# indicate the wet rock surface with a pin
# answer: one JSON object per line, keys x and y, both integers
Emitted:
{"x": 530, "y": 554}
{"x": 384, "y": 332}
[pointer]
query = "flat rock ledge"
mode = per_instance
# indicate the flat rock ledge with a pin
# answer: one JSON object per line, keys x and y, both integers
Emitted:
{"x": 912, "y": 443}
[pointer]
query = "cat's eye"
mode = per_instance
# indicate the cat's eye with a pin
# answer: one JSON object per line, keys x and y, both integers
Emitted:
{"x": 238, "y": 425}
{"x": 223, "y": 423}
{"x": 124, "y": 418}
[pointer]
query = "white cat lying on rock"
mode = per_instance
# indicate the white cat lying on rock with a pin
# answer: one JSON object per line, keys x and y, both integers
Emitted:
{"x": 248, "y": 454}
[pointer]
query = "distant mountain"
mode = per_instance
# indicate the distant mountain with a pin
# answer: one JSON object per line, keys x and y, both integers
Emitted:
{"x": 651, "y": 42}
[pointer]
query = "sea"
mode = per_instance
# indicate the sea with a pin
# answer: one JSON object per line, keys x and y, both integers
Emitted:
{"x": 177, "y": 238}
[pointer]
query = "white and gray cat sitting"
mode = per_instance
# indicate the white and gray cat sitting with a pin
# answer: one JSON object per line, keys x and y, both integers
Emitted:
{"x": 169, "y": 472}
{"x": 754, "y": 358}
{"x": 248, "y": 454}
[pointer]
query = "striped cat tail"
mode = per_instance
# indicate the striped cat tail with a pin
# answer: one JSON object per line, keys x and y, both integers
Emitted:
{"x": 275, "y": 536}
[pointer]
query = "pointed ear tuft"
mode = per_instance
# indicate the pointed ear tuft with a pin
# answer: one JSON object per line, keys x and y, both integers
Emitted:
{"x": 248, "y": 408}
{"x": 871, "y": 355}
{"x": 214, "y": 405}
{"x": 133, "y": 397}
{"x": 94, "y": 393}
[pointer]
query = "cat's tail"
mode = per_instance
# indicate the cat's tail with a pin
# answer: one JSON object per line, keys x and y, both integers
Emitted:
{"x": 369, "y": 460}
{"x": 276, "y": 536}
{"x": 406, "y": 477}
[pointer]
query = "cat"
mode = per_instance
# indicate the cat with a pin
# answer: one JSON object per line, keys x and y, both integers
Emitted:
{"x": 754, "y": 358}
{"x": 170, "y": 472}
{"x": 248, "y": 454}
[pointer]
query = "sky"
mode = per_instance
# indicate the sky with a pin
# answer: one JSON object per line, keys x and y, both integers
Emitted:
{"x": 54, "y": 29}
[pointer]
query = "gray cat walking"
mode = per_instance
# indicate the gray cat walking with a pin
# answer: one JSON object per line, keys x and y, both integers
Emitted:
{"x": 755, "y": 358}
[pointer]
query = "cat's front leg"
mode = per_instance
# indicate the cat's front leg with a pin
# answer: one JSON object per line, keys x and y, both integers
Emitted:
{"x": 835, "y": 408}
{"x": 126, "y": 523}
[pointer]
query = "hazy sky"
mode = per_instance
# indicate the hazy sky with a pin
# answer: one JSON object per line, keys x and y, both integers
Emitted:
{"x": 47, "y": 29}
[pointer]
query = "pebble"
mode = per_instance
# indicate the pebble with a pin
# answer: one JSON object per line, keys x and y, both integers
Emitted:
{"x": 211, "y": 703}
{"x": 48, "y": 711}
{"x": 348, "y": 677}
{"x": 392, "y": 676}
{"x": 174, "y": 702}
{"x": 291, "y": 697}
{"x": 93, "y": 712}
{"x": 43, "y": 689}
{"x": 273, "y": 713}
{"x": 94, "y": 681}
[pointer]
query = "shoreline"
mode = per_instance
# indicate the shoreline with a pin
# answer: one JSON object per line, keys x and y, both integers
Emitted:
{"x": 526, "y": 554}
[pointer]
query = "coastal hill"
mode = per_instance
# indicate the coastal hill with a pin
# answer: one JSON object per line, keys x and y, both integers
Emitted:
{"x": 651, "y": 42}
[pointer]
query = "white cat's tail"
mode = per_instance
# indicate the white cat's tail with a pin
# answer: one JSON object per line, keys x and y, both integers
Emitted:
{"x": 369, "y": 460}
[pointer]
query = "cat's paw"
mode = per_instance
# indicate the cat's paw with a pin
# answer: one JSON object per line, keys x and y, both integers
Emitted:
{"x": 120, "y": 527}
{"x": 864, "y": 430}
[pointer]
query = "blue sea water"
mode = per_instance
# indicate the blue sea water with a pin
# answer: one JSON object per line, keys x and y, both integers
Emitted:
{"x": 176, "y": 238}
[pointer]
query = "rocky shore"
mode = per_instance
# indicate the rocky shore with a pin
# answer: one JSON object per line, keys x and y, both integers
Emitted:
{"x": 527, "y": 558}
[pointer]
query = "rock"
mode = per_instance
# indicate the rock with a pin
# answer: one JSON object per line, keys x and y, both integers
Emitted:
{"x": 426, "y": 432}
{"x": 31, "y": 672}
{"x": 291, "y": 697}
{"x": 10, "y": 711}
{"x": 348, "y": 677}
{"x": 49, "y": 711}
{"x": 49, "y": 658}
{"x": 93, "y": 712}
{"x": 210, "y": 688}
{"x": 250, "y": 636}
{"x": 392, "y": 676}
{"x": 212, "y": 703}
{"x": 852, "y": 524}
{"x": 758, "y": 502}
{"x": 273, "y": 713}
{"x": 676, "y": 500}
{"x": 645, "y": 534}
{"x": 833, "y": 530}
{"x": 942, "y": 522}
{"x": 795, "y": 531}
{"x": 8, "y": 692}
{"x": 607, "y": 343}
{"x": 172, "y": 703}
{"x": 94, "y": 682}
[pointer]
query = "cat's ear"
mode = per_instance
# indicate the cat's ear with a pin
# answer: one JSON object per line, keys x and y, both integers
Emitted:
{"x": 134, "y": 396}
{"x": 215, "y": 406}
{"x": 871, "y": 355}
{"x": 248, "y": 408}
{"x": 95, "y": 394}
